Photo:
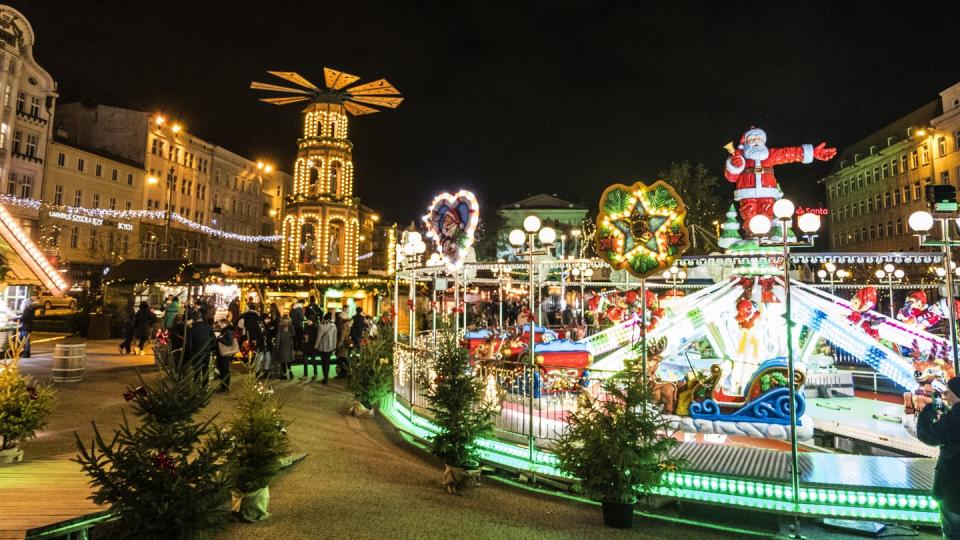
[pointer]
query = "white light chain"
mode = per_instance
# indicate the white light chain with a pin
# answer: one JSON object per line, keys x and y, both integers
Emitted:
{"x": 138, "y": 214}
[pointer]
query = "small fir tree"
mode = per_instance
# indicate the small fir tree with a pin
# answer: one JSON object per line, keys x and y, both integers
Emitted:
{"x": 619, "y": 446}
{"x": 370, "y": 377}
{"x": 730, "y": 228}
{"x": 24, "y": 405}
{"x": 164, "y": 478}
{"x": 457, "y": 401}
{"x": 257, "y": 435}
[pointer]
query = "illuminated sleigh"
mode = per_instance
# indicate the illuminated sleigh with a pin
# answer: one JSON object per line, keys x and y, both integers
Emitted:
{"x": 495, "y": 344}
{"x": 763, "y": 410}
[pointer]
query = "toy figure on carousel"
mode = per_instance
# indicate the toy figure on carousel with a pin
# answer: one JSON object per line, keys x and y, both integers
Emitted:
{"x": 917, "y": 313}
{"x": 751, "y": 165}
{"x": 927, "y": 369}
{"x": 860, "y": 306}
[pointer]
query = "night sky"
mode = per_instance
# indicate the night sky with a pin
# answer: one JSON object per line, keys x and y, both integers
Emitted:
{"x": 515, "y": 98}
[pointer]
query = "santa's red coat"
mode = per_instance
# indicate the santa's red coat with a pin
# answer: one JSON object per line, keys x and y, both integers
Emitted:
{"x": 755, "y": 179}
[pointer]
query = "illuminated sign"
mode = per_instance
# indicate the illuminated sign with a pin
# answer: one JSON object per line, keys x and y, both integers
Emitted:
{"x": 125, "y": 226}
{"x": 78, "y": 218}
{"x": 811, "y": 210}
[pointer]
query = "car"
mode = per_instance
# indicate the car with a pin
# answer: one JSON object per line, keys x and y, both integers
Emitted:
{"x": 48, "y": 301}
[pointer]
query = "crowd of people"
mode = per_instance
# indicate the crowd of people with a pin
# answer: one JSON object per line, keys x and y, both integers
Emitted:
{"x": 262, "y": 336}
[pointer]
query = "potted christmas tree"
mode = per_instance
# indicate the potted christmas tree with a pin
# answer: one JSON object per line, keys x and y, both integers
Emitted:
{"x": 618, "y": 447}
{"x": 456, "y": 398}
{"x": 370, "y": 377}
{"x": 24, "y": 405}
{"x": 164, "y": 478}
{"x": 259, "y": 443}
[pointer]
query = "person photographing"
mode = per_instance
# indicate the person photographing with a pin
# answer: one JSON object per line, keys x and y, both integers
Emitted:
{"x": 938, "y": 424}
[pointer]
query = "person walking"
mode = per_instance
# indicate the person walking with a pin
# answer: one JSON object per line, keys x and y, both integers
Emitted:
{"x": 358, "y": 330}
{"x": 171, "y": 311}
{"x": 143, "y": 322}
{"x": 939, "y": 425}
{"x": 283, "y": 347}
{"x": 227, "y": 348}
{"x": 251, "y": 325}
{"x": 326, "y": 344}
{"x": 233, "y": 310}
{"x": 310, "y": 353}
{"x": 343, "y": 345}
{"x": 26, "y": 323}
{"x": 297, "y": 319}
{"x": 126, "y": 324}
{"x": 200, "y": 346}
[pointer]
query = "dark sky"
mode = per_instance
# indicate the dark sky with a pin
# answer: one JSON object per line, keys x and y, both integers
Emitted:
{"x": 515, "y": 98}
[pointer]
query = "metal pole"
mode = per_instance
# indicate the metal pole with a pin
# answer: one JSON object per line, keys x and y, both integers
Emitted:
{"x": 531, "y": 441}
{"x": 500, "y": 296}
{"x": 890, "y": 292}
{"x": 643, "y": 328}
{"x": 396, "y": 302}
{"x": 951, "y": 316}
{"x": 412, "y": 301}
{"x": 791, "y": 375}
{"x": 456, "y": 302}
{"x": 434, "y": 305}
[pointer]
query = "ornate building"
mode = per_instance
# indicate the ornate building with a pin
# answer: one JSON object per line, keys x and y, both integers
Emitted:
{"x": 321, "y": 230}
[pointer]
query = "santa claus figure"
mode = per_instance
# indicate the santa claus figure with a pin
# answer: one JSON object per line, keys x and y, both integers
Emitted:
{"x": 917, "y": 313}
{"x": 751, "y": 165}
{"x": 860, "y": 306}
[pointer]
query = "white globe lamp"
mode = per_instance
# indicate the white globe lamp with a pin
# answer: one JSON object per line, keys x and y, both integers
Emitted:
{"x": 783, "y": 209}
{"x": 547, "y": 236}
{"x": 898, "y": 274}
{"x": 516, "y": 237}
{"x": 880, "y": 274}
{"x": 888, "y": 268}
{"x": 531, "y": 224}
{"x": 920, "y": 221}
{"x": 809, "y": 223}
{"x": 821, "y": 273}
{"x": 760, "y": 225}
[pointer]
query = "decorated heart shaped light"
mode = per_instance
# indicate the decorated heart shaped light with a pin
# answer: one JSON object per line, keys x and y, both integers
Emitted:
{"x": 451, "y": 223}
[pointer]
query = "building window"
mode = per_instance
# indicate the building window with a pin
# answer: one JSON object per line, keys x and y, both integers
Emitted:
{"x": 894, "y": 167}
{"x": 12, "y": 184}
{"x": 903, "y": 163}
{"x": 916, "y": 191}
{"x": 154, "y": 146}
{"x": 889, "y": 229}
{"x": 96, "y": 200}
{"x": 884, "y": 171}
{"x": 113, "y": 176}
{"x": 21, "y": 102}
{"x": 61, "y": 159}
{"x": 98, "y": 170}
{"x": 925, "y": 154}
{"x": 876, "y": 202}
{"x": 32, "y": 142}
{"x": 35, "y": 106}
{"x": 17, "y": 140}
{"x": 906, "y": 194}
{"x": 58, "y": 195}
{"x": 77, "y": 198}
{"x": 886, "y": 200}
{"x": 899, "y": 227}
{"x": 74, "y": 236}
{"x": 914, "y": 158}
{"x": 942, "y": 146}
{"x": 879, "y": 231}
{"x": 896, "y": 197}
{"x": 876, "y": 174}
{"x": 26, "y": 186}
{"x": 93, "y": 239}
{"x": 129, "y": 179}
{"x": 113, "y": 203}
{"x": 81, "y": 164}
{"x": 129, "y": 205}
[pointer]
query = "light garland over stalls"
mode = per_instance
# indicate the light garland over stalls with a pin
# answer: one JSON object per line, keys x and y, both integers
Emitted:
{"x": 106, "y": 213}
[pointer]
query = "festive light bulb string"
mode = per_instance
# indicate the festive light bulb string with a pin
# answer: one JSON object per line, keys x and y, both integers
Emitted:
{"x": 106, "y": 213}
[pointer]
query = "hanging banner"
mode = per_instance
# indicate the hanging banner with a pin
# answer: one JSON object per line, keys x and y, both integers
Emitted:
{"x": 451, "y": 223}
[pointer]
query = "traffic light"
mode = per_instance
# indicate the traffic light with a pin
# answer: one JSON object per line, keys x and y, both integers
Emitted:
{"x": 942, "y": 198}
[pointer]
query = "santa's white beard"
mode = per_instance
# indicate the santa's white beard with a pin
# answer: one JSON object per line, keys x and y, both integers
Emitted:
{"x": 758, "y": 152}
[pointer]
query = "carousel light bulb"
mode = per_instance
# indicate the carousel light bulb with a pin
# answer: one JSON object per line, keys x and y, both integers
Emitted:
{"x": 760, "y": 225}
{"x": 898, "y": 273}
{"x": 531, "y": 224}
{"x": 809, "y": 223}
{"x": 783, "y": 209}
{"x": 547, "y": 236}
{"x": 888, "y": 268}
{"x": 516, "y": 237}
{"x": 920, "y": 221}
{"x": 821, "y": 273}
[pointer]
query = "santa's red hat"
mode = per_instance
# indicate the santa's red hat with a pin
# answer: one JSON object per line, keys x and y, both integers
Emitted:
{"x": 919, "y": 296}
{"x": 753, "y": 132}
{"x": 867, "y": 296}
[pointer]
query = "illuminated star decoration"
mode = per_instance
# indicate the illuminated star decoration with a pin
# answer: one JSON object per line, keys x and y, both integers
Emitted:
{"x": 451, "y": 223}
{"x": 640, "y": 228}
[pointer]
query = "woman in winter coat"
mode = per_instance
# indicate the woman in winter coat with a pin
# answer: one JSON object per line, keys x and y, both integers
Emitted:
{"x": 227, "y": 349}
{"x": 143, "y": 321}
{"x": 127, "y": 321}
{"x": 343, "y": 344}
{"x": 326, "y": 344}
{"x": 283, "y": 347}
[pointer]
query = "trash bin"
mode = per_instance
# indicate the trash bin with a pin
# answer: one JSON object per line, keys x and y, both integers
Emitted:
{"x": 69, "y": 362}
{"x": 99, "y": 327}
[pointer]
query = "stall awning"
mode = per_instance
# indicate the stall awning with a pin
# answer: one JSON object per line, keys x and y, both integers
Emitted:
{"x": 151, "y": 271}
{"x": 18, "y": 273}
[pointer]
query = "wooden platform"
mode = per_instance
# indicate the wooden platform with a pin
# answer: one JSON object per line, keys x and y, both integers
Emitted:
{"x": 43, "y": 496}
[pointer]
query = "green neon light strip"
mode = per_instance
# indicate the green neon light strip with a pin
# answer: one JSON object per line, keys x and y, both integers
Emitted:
{"x": 707, "y": 488}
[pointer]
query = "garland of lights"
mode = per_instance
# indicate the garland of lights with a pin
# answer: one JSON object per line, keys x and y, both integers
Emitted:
{"x": 106, "y": 213}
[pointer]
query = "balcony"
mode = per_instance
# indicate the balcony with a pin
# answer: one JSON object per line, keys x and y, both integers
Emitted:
{"x": 17, "y": 154}
{"x": 31, "y": 117}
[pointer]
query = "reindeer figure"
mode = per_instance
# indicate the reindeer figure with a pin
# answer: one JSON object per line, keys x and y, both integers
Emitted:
{"x": 926, "y": 369}
{"x": 663, "y": 392}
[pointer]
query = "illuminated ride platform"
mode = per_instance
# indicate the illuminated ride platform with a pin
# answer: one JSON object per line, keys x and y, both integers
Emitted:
{"x": 738, "y": 458}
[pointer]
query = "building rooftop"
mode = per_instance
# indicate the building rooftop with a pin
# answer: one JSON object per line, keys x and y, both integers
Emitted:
{"x": 543, "y": 201}
{"x": 894, "y": 132}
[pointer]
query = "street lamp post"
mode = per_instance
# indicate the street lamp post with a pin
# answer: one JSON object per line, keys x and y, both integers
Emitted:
{"x": 832, "y": 270}
{"x": 413, "y": 248}
{"x": 889, "y": 272}
{"x": 531, "y": 231}
{"x": 809, "y": 224}
{"x": 674, "y": 276}
{"x": 922, "y": 222}
{"x": 584, "y": 274}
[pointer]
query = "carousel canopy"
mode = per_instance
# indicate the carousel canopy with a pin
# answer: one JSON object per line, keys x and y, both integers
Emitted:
{"x": 151, "y": 271}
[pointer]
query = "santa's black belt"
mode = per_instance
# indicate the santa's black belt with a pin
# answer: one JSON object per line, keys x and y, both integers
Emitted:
{"x": 761, "y": 170}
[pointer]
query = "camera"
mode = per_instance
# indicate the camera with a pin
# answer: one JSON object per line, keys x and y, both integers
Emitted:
{"x": 938, "y": 389}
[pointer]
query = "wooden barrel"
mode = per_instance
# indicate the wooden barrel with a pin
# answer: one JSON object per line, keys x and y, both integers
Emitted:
{"x": 69, "y": 362}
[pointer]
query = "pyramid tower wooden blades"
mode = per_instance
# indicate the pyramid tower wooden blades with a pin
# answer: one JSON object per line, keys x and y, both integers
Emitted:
{"x": 384, "y": 101}
{"x": 284, "y": 100}
{"x": 295, "y": 78}
{"x": 356, "y": 109}
{"x": 335, "y": 80}
{"x": 264, "y": 86}
{"x": 375, "y": 88}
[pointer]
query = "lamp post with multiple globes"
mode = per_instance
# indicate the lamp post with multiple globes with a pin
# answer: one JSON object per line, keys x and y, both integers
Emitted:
{"x": 532, "y": 231}
{"x": 583, "y": 274}
{"x": 836, "y": 276}
{"x": 922, "y": 222}
{"x": 890, "y": 273}
{"x": 809, "y": 223}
